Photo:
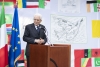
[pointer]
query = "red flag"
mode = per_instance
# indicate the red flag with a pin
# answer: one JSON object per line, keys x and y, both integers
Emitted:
{"x": 95, "y": 52}
{"x": 83, "y": 53}
{"x": 22, "y": 55}
{"x": 14, "y": 1}
{"x": 78, "y": 55}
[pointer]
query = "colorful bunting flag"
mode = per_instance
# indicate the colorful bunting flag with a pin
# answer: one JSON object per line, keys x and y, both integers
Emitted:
{"x": 34, "y": 4}
{"x": 95, "y": 52}
{"x": 93, "y": 6}
{"x": 81, "y": 54}
{"x": 8, "y": 2}
{"x": 86, "y": 62}
{"x": 90, "y": 62}
{"x": 83, "y": 57}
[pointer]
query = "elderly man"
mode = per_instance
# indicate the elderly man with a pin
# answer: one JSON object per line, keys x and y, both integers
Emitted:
{"x": 34, "y": 34}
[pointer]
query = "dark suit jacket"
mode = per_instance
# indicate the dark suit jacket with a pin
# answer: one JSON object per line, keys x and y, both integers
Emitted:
{"x": 31, "y": 34}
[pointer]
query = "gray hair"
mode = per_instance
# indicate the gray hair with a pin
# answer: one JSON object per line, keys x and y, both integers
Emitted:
{"x": 37, "y": 14}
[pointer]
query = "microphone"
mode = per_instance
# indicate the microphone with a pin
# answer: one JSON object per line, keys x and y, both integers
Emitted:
{"x": 46, "y": 33}
{"x": 43, "y": 28}
{"x": 48, "y": 41}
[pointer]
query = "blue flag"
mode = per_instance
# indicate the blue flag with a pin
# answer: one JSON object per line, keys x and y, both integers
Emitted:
{"x": 15, "y": 46}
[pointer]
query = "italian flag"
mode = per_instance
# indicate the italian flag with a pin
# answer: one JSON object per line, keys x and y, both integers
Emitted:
{"x": 3, "y": 42}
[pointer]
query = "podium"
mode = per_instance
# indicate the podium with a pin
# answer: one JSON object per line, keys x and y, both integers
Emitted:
{"x": 57, "y": 55}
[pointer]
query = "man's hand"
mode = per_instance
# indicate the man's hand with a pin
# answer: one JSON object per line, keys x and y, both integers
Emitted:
{"x": 37, "y": 41}
{"x": 41, "y": 40}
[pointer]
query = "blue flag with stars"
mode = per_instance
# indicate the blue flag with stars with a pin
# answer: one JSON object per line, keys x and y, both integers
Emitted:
{"x": 15, "y": 46}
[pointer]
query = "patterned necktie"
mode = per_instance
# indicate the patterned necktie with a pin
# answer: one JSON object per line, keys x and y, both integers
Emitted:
{"x": 38, "y": 29}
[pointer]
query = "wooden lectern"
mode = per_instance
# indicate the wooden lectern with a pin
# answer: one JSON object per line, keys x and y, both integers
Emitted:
{"x": 50, "y": 56}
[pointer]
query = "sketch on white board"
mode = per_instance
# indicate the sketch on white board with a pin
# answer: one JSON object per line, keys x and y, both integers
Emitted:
{"x": 69, "y": 6}
{"x": 68, "y": 29}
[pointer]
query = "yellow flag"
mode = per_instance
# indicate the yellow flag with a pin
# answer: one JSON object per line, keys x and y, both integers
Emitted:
{"x": 96, "y": 28}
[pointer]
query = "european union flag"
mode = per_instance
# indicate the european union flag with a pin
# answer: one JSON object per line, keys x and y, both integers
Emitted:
{"x": 15, "y": 47}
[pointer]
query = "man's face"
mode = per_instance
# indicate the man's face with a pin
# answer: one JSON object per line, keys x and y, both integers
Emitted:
{"x": 37, "y": 20}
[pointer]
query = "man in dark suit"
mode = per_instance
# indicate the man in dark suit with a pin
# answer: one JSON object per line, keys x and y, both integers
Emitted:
{"x": 34, "y": 34}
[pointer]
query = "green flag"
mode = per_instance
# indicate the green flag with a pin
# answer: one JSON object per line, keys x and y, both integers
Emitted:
{"x": 97, "y": 61}
{"x": 7, "y": 4}
{"x": 98, "y": 1}
{"x": 41, "y": 3}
